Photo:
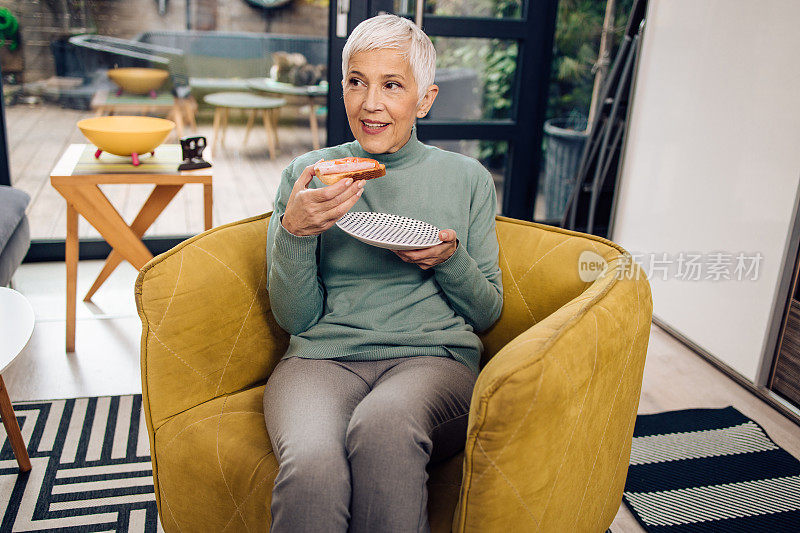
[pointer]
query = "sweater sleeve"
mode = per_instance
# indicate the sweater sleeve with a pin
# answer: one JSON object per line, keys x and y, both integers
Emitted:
{"x": 471, "y": 277}
{"x": 295, "y": 290}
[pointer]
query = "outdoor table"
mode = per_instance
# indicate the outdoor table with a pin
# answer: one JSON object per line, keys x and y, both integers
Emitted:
{"x": 310, "y": 95}
{"x": 16, "y": 326}
{"x": 268, "y": 107}
{"x": 175, "y": 109}
{"x": 76, "y": 177}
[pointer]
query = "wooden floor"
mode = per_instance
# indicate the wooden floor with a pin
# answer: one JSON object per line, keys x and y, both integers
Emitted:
{"x": 245, "y": 179}
{"x": 106, "y": 360}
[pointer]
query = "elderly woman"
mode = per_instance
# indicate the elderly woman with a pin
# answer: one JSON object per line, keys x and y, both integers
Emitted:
{"x": 383, "y": 356}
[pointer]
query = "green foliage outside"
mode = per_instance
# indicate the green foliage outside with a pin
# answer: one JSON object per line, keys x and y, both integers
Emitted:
{"x": 495, "y": 61}
{"x": 577, "y": 40}
{"x": 579, "y": 25}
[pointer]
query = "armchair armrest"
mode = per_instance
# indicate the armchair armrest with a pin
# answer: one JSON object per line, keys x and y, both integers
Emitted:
{"x": 207, "y": 329}
{"x": 552, "y": 414}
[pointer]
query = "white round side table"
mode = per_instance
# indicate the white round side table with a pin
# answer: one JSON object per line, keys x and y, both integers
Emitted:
{"x": 16, "y": 327}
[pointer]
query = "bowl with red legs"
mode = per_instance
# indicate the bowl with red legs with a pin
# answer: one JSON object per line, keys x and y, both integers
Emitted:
{"x": 126, "y": 135}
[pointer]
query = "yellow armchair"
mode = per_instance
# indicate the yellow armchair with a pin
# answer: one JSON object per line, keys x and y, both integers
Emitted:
{"x": 552, "y": 412}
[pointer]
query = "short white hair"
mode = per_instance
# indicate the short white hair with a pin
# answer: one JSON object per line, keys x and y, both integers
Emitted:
{"x": 391, "y": 31}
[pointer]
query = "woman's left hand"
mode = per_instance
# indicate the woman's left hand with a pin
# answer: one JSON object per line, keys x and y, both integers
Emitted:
{"x": 430, "y": 257}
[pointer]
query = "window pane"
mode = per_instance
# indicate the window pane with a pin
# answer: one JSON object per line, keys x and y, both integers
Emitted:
{"x": 69, "y": 48}
{"x": 463, "y": 8}
{"x": 492, "y": 154}
{"x": 475, "y": 77}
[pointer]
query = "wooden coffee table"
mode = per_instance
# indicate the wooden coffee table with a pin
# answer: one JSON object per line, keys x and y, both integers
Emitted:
{"x": 16, "y": 326}
{"x": 310, "y": 95}
{"x": 76, "y": 177}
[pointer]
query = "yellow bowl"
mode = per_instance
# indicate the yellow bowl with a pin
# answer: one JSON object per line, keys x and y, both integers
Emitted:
{"x": 123, "y": 135}
{"x": 138, "y": 80}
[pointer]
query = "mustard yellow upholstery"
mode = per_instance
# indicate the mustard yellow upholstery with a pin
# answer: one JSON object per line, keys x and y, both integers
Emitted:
{"x": 552, "y": 413}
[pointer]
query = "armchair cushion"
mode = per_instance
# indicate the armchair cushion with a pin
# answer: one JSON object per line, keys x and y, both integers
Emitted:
{"x": 231, "y": 465}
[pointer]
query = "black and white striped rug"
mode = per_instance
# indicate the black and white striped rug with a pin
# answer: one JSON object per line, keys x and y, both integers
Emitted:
{"x": 91, "y": 468}
{"x": 696, "y": 470}
{"x": 710, "y": 470}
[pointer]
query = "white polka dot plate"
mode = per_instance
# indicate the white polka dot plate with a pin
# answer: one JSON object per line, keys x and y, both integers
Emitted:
{"x": 392, "y": 232}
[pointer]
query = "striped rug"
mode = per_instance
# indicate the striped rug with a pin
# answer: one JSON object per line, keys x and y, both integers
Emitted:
{"x": 710, "y": 470}
{"x": 91, "y": 468}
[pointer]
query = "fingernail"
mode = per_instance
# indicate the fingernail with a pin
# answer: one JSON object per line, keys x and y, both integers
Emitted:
{"x": 359, "y": 192}
{"x": 348, "y": 181}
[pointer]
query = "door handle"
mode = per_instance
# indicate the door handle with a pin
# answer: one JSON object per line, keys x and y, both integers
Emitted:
{"x": 342, "y": 12}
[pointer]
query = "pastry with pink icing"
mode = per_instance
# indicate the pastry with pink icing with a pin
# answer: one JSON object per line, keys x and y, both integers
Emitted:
{"x": 357, "y": 168}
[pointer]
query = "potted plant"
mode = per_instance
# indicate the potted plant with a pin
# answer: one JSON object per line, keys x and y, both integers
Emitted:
{"x": 578, "y": 73}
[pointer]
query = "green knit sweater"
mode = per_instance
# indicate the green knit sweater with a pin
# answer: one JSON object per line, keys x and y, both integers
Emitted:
{"x": 341, "y": 298}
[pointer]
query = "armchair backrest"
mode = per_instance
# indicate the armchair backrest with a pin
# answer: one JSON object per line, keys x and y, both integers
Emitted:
{"x": 208, "y": 330}
{"x": 540, "y": 274}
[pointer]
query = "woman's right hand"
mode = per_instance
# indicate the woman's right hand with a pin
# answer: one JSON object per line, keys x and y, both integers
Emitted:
{"x": 312, "y": 211}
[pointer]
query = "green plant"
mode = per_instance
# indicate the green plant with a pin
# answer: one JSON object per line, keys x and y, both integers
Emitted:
{"x": 495, "y": 61}
{"x": 578, "y": 27}
{"x": 498, "y": 78}
{"x": 9, "y": 29}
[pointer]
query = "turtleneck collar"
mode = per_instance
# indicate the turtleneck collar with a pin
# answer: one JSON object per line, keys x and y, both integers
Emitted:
{"x": 409, "y": 153}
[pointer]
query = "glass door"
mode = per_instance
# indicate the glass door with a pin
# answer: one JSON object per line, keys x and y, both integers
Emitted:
{"x": 493, "y": 69}
{"x": 60, "y": 72}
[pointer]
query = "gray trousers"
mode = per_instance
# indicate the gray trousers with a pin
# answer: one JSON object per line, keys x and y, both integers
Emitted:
{"x": 353, "y": 440}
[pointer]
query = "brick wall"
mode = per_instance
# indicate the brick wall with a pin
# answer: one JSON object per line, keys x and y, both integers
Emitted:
{"x": 42, "y": 21}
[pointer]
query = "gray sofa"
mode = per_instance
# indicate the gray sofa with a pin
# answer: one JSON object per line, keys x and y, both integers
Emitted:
{"x": 223, "y": 61}
{"x": 15, "y": 237}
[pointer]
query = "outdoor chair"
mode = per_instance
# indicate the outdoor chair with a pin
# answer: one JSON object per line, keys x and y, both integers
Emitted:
{"x": 552, "y": 412}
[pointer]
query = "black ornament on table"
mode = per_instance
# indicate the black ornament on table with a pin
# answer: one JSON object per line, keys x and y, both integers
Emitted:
{"x": 192, "y": 148}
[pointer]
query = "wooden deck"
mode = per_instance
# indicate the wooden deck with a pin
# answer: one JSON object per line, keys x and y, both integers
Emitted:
{"x": 245, "y": 179}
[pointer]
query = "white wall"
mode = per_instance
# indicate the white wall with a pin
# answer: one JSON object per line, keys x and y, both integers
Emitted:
{"x": 712, "y": 162}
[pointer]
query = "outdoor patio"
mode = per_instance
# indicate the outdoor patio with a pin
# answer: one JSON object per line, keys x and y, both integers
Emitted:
{"x": 245, "y": 179}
